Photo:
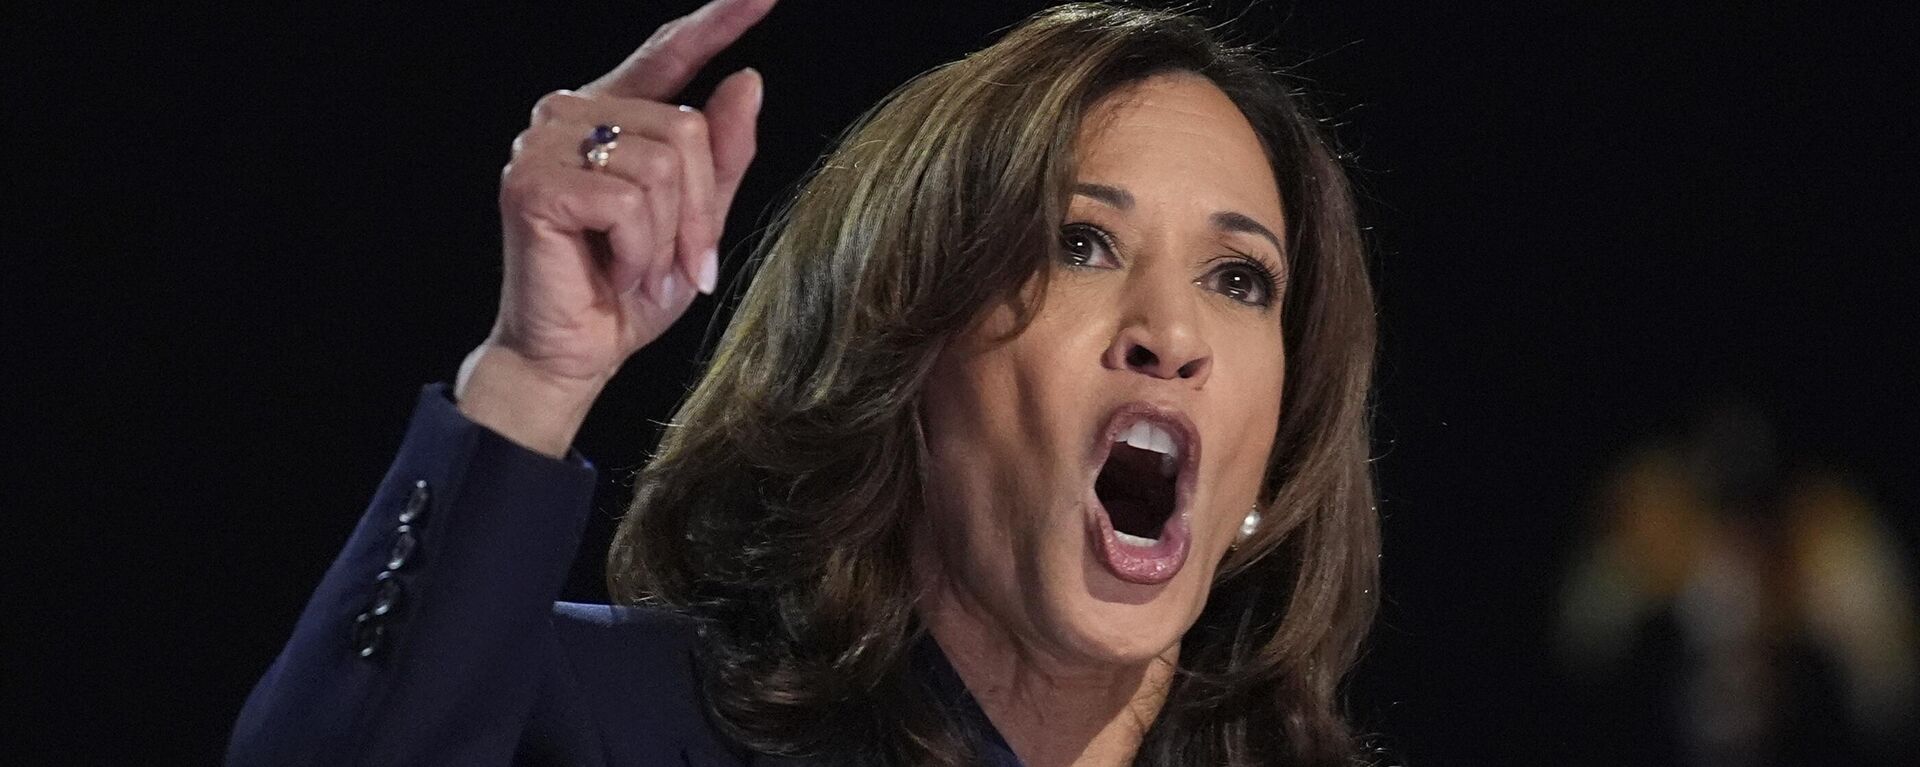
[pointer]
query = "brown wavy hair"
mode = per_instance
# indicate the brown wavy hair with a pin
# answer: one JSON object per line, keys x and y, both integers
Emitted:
{"x": 777, "y": 509}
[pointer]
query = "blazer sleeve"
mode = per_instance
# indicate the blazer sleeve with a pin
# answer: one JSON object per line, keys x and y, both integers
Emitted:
{"x": 426, "y": 641}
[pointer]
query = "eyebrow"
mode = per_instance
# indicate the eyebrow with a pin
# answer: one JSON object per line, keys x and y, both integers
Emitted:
{"x": 1111, "y": 195}
{"x": 1226, "y": 221}
{"x": 1229, "y": 221}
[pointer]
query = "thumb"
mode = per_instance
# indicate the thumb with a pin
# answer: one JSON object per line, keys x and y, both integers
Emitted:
{"x": 732, "y": 113}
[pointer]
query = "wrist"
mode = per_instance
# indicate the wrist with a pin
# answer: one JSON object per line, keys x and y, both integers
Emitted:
{"x": 503, "y": 391}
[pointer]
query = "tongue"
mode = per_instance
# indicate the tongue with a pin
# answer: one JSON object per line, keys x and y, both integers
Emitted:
{"x": 1137, "y": 498}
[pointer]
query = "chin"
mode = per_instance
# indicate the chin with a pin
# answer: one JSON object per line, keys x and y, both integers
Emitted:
{"x": 1110, "y": 621}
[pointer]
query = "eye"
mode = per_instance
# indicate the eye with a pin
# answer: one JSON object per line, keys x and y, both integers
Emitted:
{"x": 1244, "y": 280}
{"x": 1084, "y": 245}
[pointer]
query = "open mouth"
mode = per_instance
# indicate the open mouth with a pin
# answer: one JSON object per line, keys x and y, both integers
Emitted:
{"x": 1140, "y": 491}
{"x": 1136, "y": 485}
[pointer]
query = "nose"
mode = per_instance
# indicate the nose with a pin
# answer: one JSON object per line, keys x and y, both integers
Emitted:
{"x": 1160, "y": 340}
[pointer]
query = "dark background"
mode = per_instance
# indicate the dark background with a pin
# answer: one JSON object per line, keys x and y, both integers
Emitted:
{"x": 246, "y": 236}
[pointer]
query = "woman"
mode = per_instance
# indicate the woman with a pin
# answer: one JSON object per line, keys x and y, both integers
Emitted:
{"x": 1039, "y": 437}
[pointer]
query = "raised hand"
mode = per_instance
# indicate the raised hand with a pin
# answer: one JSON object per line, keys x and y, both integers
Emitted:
{"x": 599, "y": 261}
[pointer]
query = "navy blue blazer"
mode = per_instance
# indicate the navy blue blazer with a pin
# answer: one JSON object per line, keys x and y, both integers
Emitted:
{"x": 435, "y": 639}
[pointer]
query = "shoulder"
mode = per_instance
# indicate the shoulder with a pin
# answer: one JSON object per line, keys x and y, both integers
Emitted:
{"x": 636, "y": 666}
{"x": 649, "y": 646}
{"x": 632, "y": 622}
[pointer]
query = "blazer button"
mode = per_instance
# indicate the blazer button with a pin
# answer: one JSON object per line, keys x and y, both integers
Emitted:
{"x": 403, "y": 547}
{"x": 369, "y": 635}
{"x": 417, "y": 502}
{"x": 386, "y": 595}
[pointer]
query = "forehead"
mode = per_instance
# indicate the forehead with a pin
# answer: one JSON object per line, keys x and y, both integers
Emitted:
{"x": 1178, "y": 137}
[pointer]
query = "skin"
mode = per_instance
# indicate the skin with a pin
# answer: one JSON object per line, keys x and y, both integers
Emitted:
{"x": 1070, "y": 662}
{"x": 599, "y": 263}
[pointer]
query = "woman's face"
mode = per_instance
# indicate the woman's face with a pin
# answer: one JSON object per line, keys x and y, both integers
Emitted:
{"x": 1087, "y": 475}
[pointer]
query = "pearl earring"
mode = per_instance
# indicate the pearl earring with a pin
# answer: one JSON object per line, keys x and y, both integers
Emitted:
{"x": 1250, "y": 524}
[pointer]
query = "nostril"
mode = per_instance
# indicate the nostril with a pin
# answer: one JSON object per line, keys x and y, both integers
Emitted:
{"x": 1141, "y": 357}
{"x": 1192, "y": 369}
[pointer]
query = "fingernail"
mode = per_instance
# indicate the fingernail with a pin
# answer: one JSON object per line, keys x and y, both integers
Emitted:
{"x": 669, "y": 289}
{"x": 709, "y": 270}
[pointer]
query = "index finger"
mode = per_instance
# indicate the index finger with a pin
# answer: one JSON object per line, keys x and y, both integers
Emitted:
{"x": 668, "y": 60}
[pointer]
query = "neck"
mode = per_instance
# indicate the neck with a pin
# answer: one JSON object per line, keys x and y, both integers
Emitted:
{"x": 1053, "y": 710}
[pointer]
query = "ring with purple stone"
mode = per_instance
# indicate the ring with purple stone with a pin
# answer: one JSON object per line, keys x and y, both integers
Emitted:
{"x": 599, "y": 146}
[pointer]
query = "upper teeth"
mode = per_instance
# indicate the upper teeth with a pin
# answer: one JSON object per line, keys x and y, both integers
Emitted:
{"x": 1148, "y": 436}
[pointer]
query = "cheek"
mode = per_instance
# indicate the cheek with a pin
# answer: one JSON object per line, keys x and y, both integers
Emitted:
{"x": 1253, "y": 408}
{"x": 1004, "y": 421}
{"x": 982, "y": 415}
{"x": 957, "y": 424}
{"x": 964, "y": 386}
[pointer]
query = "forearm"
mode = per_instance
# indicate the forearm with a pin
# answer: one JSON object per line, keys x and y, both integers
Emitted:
{"x": 446, "y": 671}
